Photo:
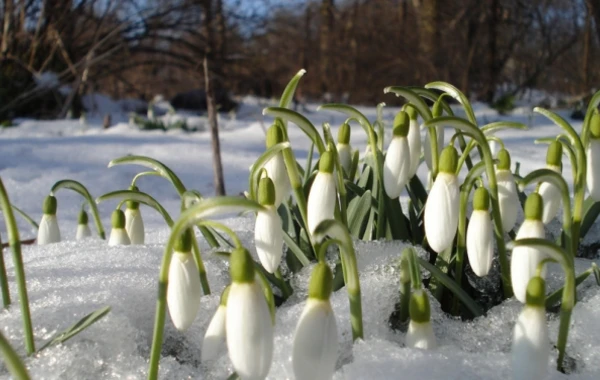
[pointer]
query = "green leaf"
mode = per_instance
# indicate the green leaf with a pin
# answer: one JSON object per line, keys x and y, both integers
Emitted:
{"x": 412, "y": 97}
{"x": 288, "y": 93}
{"x": 151, "y": 163}
{"x": 12, "y": 361}
{"x": 302, "y": 122}
{"x": 591, "y": 210}
{"x": 296, "y": 250}
{"x": 457, "y": 95}
{"x": 78, "y": 327}
{"x": 501, "y": 125}
{"x": 79, "y": 188}
{"x": 26, "y": 217}
{"x": 138, "y": 196}
{"x": 358, "y": 211}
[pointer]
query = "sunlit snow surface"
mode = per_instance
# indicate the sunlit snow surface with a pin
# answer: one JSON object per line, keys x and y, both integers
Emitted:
{"x": 71, "y": 279}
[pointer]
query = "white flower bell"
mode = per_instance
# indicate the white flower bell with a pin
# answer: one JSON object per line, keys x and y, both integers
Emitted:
{"x": 323, "y": 195}
{"x": 441, "y": 209}
{"x": 214, "y": 338}
{"x": 48, "y": 231}
{"x": 268, "y": 235}
{"x": 420, "y": 332}
{"x": 344, "y": 148}
{"x": 508, "y": 197}
{"x": 315, "y": 348}
{"x": 531, "y": 344}
{"x": 248, "y": 320}
{"x": 593, "y": 159}
{"x": 134, "y": 224}
{"x": 525, "y": 260}
{"x": 480, "y": 242}
{"x": 414, "y": 141}
{"x": 118, "y": 234}
{"x": 396, "y": 167}
{"x": 184, "y": 289}
{"x": 549, "y": 192}
{"x": 275, "y": 167}
{"x": 83, "y": 229}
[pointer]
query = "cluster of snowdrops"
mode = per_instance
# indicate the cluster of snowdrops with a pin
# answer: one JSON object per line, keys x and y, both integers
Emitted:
{"x": 313, "y": 213}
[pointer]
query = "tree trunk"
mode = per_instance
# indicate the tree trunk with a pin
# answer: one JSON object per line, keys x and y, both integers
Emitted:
{"x": 492, "y": 59}
{"x": 429, "y": 36}
{"x": 594, "y": 8}
{"x": 214, "y": 131}
{"x": 325, "y": 38}
{"x": 587, "y": 44}
{"x": 7, "y": 28}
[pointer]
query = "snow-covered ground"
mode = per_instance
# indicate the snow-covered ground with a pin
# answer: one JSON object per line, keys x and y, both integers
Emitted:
{"x": 70, "y": 279}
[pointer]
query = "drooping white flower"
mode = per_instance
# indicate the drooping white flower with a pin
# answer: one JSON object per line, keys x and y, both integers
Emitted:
{"x": 275, "y": 167}
{"x": 420, "y": 332}
{"x": 134, "y": 224}
{"x": 441, "y": 209}
{"x": 48, "y": 231}
{"x": 248, "y": 320}
{"x": 549, "y": 192}
{"x": 508, "y": 197}
{"x": 396, "y": 167}
{"x": 593, "y": 159}
{"x": 480, "y": 242}
{"x": 214, "y": 338}
{"x": 343, "y": 147}
{"x": 268, "y": 235}
{"x": 118, "y": 234}
{"x": 184, "y": 289}
{"x": 83, "y": 229}
{"x": 414, "y": 141}
{"x": 316, "y": 339}
{"x": 525, "y": 260}
{"x": 531, "y": 343}
{"x": 322, "y": 196}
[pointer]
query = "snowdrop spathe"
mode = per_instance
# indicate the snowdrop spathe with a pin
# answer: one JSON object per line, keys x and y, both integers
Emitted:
{"x": 322, "y": 197}
{"x": 525, "y": 260}
{"x": 134, "y": 224}
{"x": 480, "y": 242}
{"x": 48, "y": 231}
{"x": 315, "y": 347}
{"x": 414, "y": 141}
{"x": 508, "y": 197}
{"x": 441, "y": 209}
{"x": 83, "y": 228}
{"x": 214, "y": 338}
{"x": 268, "y": 235}
{"x": 396, "y": 167}
{"x": 344, "y": 148}
{"x": 118, "y": 234}
{"x": 248, "y": 320}
{"x": 549, "y": 192}
{"x": 593, "y": 159}
{"x": 275, "y": 167}
{"x": 420, "y": 332}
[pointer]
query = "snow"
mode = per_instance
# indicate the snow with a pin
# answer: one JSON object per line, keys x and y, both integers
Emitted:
{"x": 71, "y": 279}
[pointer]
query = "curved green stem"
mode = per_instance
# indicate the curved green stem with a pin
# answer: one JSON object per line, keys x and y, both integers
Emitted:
{"x": 302, "y": 122}
{"x": 153, "y": 164}
{"x": 592, "y": 107}
{"x": 79, "y": 188}
{"x": 12, "y": 361}
{"x": 220, "y": 226}
{"x": 457, "y": 95}
{"x": 255, "y": 172}
{"x": 140, "y": 197}
{"x": 27, "y": 218}
{"x": 567, "y": 150}
{"x": 144, "y": 174}
{"x": 341, "y": 188}
{"x": 288, "y": 93}
{"x": 4, "y": 279}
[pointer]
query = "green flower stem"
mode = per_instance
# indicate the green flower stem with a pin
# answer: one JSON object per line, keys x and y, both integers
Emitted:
{"x": 4, "y": 279}
{"x": 341, "y": 189}
{"x": 12, "y": 361}
{"x": 404, "y": 288}
{"x": 15, "y": 245}
{"x": 475, "y": 133}
{"x": 201, "y": 268}
{"x": 286, "y": 289}
{"x": 258, "y": 166}
{"x": 302, "y": 122}
{"x": 144, "y": 174}
{"x": 27, "y": 218}
{"x": 79, "y": 188}
{"x": 567, "y": 150}
{"x": 568, "y": 295}
{"x": 553, "y": 298}
{"x": 339, "y": 232}
{"x": 457, "y": 95}
{"x": 542, "y": 264}
{"x": 288, "y": 93}
{"x": 138, "y": 196}
{"x": 220, "y": 226}
{"x": 461, "y": 241}
{"x": 153, "y": 164}
{"x": 592, "y": 107}
{"x": 189, "y": 218}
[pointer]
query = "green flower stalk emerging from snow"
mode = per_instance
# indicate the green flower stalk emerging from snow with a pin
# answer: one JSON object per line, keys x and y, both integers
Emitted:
{"x": 48, "y": 231}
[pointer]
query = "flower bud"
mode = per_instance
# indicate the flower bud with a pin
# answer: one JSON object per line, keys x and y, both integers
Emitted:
{"x": 268, "y": 233}
{"x": 48, "y": 231}
{"x": 83, "y": 229}
{"x": 118, "y": 234}
{"x": 420, "y": 332}
{"x": 396, "y": 167}
{"x": 322, "y": 197}
{"x": 480, "y": 242}
{"x": 593, "y": 159}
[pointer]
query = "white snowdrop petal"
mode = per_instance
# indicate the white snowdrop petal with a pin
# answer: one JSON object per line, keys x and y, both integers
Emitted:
{"x": 118, "y": 236}
{"x": 315, "y": 342}
{"x": 214, "y": 338}
{"x": 593, "y": 169}
{"x": 525, "y": 260}
{"x": 531, "y": 345}
{"x": 414, "y": 146}
{"x": 184, "y": 290}
{"x": 249, "y": 331}
{"x": 551, "y": 197}
{"x": 345, "y": 153}
{"x": 276, "y": 170}
{"x": 321, "y": 200}
{"x": 268, "y": 238}
{"x": 48, "y": 231}
{"x": 134, "y": 225}
{"x": 508, "y": 199}
{"x": 83, "y": 231}
{"x": 441, "y": 212}
{"x": 480, "y": 243}
{"x": 420, "y": 335}
{"x": 396, "y": 167}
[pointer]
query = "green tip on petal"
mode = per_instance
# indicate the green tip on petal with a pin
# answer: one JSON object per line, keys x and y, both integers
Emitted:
{"x": 118, "y": 219}
{"x": 595, "y": 126}
{"x": 274, "y": 135}
{"x": 536, "y": 292}
{"x": 133, "y": 205}
{"x": 437, "y": 109}
{"x": 449, "y": 160}
{"x": 50, "y": 205}
{"x": 184, "y": 243}
{"x": 419, "y": 309}
{"x": 225, "y": 295}
{"x": 412, "y": 112}
{"x": 321, "y": 282}
{"x": 344, "y": 134}
{"x": 83, "y": 217}
{"x": 534, "y": 207}
{"x": 241, "y": 266}
{"x": 481, "y": 199}
{"x": 266, "y": 192}
{"x": 504, "y": 158}
{"x": 326, "y": 162}
{"x": 554, "y": 154}
{"x": 401, "y": 123}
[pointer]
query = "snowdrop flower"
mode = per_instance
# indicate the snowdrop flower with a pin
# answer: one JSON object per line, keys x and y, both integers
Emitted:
{"x": 343, "y": 147}
{"x": 83, "y": 229}
{"x": 480, "y": 245}
{"x": 48, "y": 232}
{"x": 322, "y": 196}
{"x": 441, "y": 209}
{"x": 593, "y": 158}
{"x": 549, "y": 192}
{"x": 315, "y": 346}
{"x": 531, "y": 345}
{"x": 134, "y": 224}
{"x": 248, "y": 320}
{"x": 396, "y": 167}
{"x": 214, "y": 338}
{"x": 525, "y": 260}
{"x": 275, "y": 168}
{"x": 150, "y": 112}
{"x": 508, "y": 197}
{"x": 414, "y": 141}
{"x": 268, "y": 235}
{"x": 118, "y": 234}
{"x": 420, "y": 332}
{"x": 184, "y": 290}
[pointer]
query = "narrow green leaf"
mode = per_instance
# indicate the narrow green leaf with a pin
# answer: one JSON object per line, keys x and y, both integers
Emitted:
{"x": 501, "y": 125}
{"x": 288, "y": 93}
{"x": 358, "y": 211}
{"x": 12, "y": 361}
{"x": 153, "y": 164}
{"x": 26, "y": 217}
{"x": 457, "y": 95}
{"x": 296, "y": 250}
{"x": 591, "y": 210}
{"x": 138, "y": 196}
{"x": 78, "y": 327}
{"x": 412, "y": 97}
{"x": 302, "y": 122}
